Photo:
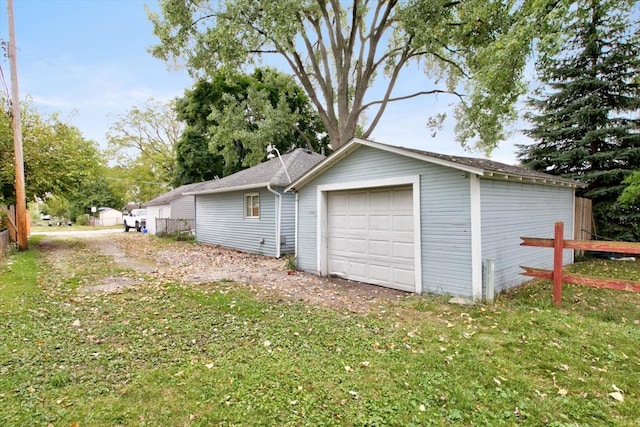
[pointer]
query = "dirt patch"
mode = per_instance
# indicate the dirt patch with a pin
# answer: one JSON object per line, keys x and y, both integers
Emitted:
{"x": 200, "y": 264}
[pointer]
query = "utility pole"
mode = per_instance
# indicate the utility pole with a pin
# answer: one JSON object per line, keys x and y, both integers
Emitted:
{"x": 21, "y": 200}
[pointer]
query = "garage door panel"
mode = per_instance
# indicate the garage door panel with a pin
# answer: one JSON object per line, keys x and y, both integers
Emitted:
{"x": 382, "y": 200}
{"x": 339, "y": 202}
{"x": 356, "y": 200}
{"x": 403, "y": 251}
{"x": 357, "y": 222}
{"x": 371, "y": 236}
{"x": 403, "y": 223}
{"x": 338, "y": 267}
{"x": 357, "y": 246}
{"x": 338, "y": 221}
{"x": 380, "y": 248}
{"x": 359, "y": 269}
{"x": 403, "y": 199}
{"x": 379, "y": 222}
{"x": 403, "y": 277}
{"x": 380, "y": 273}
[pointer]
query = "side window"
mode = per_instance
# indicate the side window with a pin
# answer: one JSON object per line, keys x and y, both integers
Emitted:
{"x": 252, "y": 205}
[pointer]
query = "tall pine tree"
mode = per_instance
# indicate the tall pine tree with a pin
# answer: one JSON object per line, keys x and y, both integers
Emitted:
{"x": 586, "y": 125}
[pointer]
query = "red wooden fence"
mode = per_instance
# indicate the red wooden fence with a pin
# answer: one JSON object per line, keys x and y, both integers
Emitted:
{"x": 558, "y": 243}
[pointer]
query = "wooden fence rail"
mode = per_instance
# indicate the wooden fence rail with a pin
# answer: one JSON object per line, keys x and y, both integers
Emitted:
{"x": 558, "y": 243}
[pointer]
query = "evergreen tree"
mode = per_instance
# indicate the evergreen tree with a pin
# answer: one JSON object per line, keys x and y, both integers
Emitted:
{"x": 587, "y": 126}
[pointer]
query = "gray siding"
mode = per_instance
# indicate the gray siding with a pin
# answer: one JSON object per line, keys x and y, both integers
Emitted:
{"x": 445, "y": 215}
{"x": 510, "y": 210}
{"x": 183, "y": 208}
{"x": 220, "y": 221}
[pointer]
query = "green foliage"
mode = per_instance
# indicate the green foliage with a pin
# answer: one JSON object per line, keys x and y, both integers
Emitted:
{"x": 82, "y": 219}
{"x": 231, "y": 118}
{"x": 142, "y": 143}
{"x": 291, "y": 263}
{"x": 586, "y": 125}
{"x": 59, "y": 207}
{"x": 338, "y": 50}
{"x": 631, "y": 194}
{"x": 57, "y": 158}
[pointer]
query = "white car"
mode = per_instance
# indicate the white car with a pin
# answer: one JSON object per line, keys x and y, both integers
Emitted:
{"x": 137, "y": 219}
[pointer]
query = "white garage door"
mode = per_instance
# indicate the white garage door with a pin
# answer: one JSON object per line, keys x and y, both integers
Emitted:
{"x": 370, "y": 236}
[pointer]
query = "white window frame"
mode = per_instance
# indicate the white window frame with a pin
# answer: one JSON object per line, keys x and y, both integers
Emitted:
{"x": 248, "y": 205}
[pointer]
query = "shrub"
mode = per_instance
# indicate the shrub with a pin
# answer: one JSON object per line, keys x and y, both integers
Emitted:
{"x": 82, "y": 219}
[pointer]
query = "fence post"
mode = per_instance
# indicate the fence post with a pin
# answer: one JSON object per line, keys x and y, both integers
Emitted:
{"x": 558, "y": 242}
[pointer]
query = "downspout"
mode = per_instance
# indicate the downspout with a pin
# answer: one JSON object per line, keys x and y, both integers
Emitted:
{"x": 278, "y": 209}
{"x": 295, "y": 228}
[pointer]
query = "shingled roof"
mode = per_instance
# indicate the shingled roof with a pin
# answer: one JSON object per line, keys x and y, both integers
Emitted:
{"x": 271, "y": 173}
{"x": 482, "y": 167}
{"x": 170, "y": 196}
{"x": 489, "y": 166}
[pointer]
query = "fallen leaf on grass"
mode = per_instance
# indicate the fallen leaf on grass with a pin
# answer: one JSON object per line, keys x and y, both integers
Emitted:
{"x": 616, "y": 395}
{"x": 562, "y": 392}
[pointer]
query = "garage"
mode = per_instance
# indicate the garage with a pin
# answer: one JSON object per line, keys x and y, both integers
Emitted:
{"x": 370, "y": 236}
{"x": 425, "y": 222}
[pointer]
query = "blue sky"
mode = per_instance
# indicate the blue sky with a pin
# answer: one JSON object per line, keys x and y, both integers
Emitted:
{"x": 87, "y": 60}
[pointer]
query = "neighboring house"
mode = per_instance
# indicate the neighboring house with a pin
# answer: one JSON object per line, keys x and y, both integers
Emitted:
{"x": 249, "y": 210}
{"x": 173, "y": 204}
{"x": 425, "y": 222}
{"x": 108, "y": 217}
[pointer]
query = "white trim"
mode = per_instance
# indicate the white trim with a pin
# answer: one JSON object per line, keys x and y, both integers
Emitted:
{"x": 417, "y": 233}
{"x": 322, "y": 218}
{"x": 321, "y": 232}
{"x": 476, "y": 237}
{"x": 244, "y": 204}
{"x": 228, "y": 189}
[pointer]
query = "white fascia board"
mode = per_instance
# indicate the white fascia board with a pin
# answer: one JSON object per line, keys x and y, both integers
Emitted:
{"x": 548, "y": 181}
{"x": 229, "y": 189}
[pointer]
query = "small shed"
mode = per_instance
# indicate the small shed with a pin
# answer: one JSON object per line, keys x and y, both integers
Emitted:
{"x": 425, "y": 222}
{"x": 108, "y": 217}
{"x": 172, "y": 205}
{"x": 249, "y": 210}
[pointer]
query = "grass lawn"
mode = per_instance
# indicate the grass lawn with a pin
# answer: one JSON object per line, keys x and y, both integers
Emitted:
{"x": 162, "y": 354}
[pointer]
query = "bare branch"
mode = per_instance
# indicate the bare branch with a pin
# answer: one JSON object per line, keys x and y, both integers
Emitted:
{"x": 413, "y": 95}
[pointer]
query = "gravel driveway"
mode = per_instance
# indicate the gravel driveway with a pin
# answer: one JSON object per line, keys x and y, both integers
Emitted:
{"x": 199, "y": 263}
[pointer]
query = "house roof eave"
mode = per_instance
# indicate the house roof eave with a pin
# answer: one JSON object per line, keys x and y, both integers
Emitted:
{"x": 229, "y": 189}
